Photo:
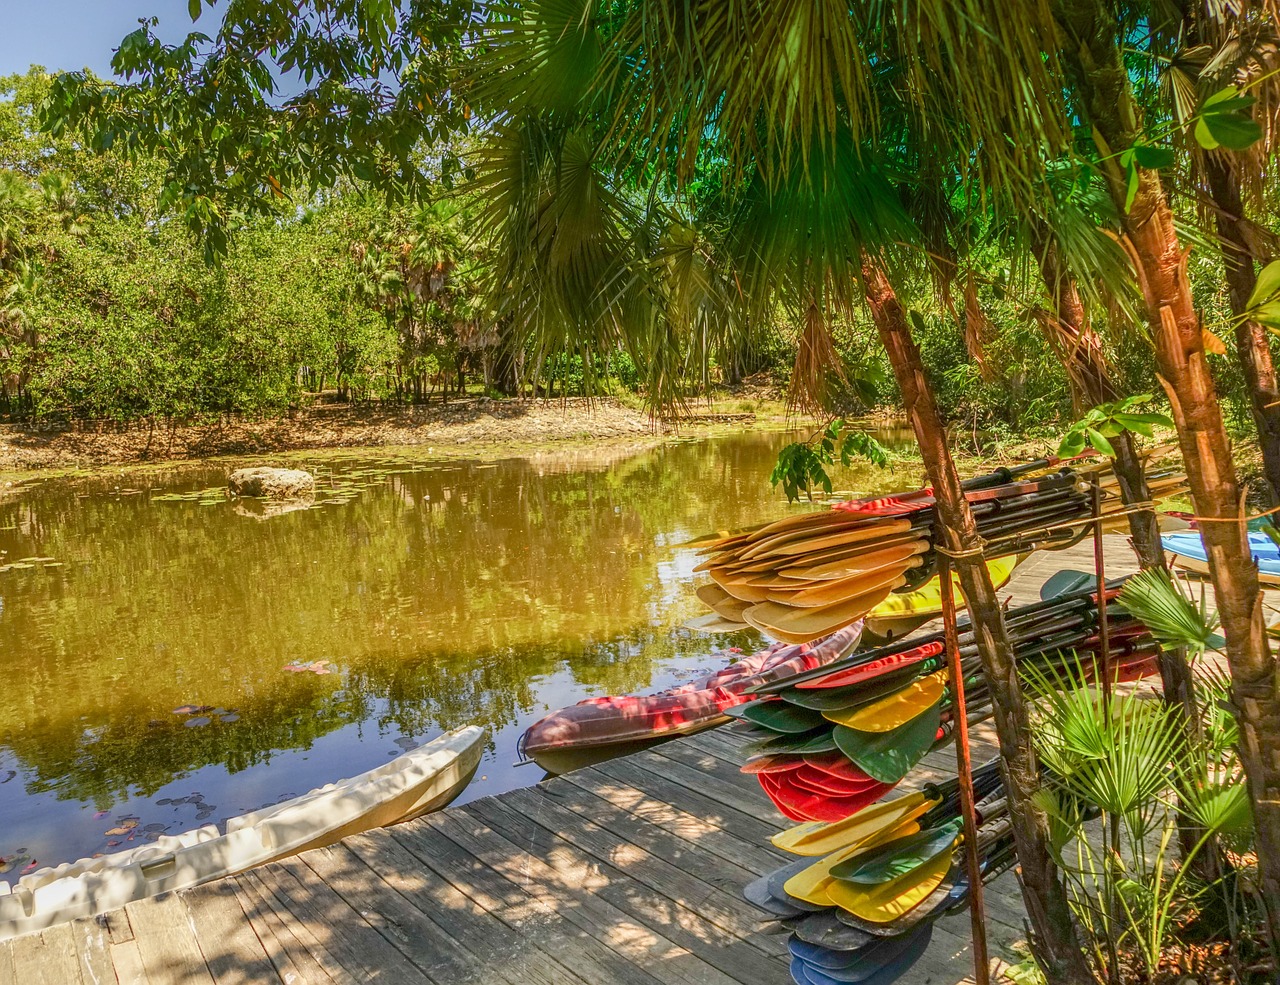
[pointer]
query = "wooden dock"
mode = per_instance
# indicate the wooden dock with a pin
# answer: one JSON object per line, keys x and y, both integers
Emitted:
{"x": 628, "y": 872}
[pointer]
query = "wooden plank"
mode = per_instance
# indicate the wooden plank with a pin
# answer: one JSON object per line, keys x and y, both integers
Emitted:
{"x": 358, "y": 948}
{"x": 291, "y": 948}
{"x": 8, "y": 974}
{"x": 445, "y": 845}
{"x": 697, "y": 771}
{"x": 666, "y": 787}
{"x": 751, "y": 855}
{"x": 118, "y": 927}
{"x": 130, "y": 970}
{"x": 723, "y": 954}
{"x": 400, "y": 923}
{"x": 92, "y": 945}
{"x": 577, "y": 894}
{"x": 233, "y": 952}
{"x": 458, "y": 916}
{"x": 168, "y": 944}
{"x": 47, "y": 958}
{"x": 675, "y": 867}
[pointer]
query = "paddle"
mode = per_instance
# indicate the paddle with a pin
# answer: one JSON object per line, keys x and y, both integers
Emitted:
{"x": 882, "y": 962}
{"x": 823, "y": 838}
{"x": 898, "y": 857}
{"x": 889, "y": 756}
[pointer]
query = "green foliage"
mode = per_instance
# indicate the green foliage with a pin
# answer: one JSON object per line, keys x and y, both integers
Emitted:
{"x": 1105, "y": 421}
{"x": 1120, "y": 772}
{"x": 1154, "y": 597}
{"x": 1225, "y": 120}
{"x": 802, "y": 465}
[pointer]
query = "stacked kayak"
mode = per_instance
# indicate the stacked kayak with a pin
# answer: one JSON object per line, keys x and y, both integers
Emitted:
{"x": 827, "y": 743}
{"x": 1186, "y": 550}
{"x": 801, "y": 577}
{"x": 598, "y": 729}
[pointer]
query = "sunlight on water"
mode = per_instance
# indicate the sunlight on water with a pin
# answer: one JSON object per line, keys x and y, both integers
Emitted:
{"x": 171, "y": 658}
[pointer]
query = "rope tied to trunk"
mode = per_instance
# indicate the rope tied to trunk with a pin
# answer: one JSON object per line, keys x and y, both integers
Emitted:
{"x": 966, "y": 553}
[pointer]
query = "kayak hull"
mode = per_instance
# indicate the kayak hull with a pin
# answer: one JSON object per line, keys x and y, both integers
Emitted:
{"x": 422, "y": 780}
{"x": 599, "y": 729}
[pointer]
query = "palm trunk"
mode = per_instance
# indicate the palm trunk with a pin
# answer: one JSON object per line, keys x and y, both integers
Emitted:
{"x": 1057, "y": 947}
{"x": 1092, "y": 53}
{"x": 1252, "y": 343}
{"x": 1073, "y": 338}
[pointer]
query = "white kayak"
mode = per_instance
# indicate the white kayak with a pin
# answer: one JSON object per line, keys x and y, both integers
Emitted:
{"x": 422, "y": 780}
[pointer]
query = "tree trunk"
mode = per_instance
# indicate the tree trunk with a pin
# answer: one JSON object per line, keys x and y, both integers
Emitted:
{"x": 1253, "y": 345}
{"x": 1055, "y": 942}
{"x": 1160, "y": 262}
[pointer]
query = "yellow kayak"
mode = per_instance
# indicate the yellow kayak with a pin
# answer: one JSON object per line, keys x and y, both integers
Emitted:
{"x": 899, "y": 614}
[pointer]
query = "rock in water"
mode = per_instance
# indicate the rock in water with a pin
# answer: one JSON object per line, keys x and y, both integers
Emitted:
{"x": 270, "y": 483}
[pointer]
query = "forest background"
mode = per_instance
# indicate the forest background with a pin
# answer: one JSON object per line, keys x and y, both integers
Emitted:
{"x": 109, "y": 310}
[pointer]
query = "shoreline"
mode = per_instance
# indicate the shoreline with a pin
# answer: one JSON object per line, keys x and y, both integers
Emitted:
{"x": 472, "y": 428}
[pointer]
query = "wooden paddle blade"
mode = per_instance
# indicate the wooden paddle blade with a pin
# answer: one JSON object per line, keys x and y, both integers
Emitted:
{"x": 802, "y": 625}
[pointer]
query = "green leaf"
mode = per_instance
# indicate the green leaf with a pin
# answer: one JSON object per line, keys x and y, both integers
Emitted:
{"x": 1072, "y": 444}
{"x": 194, "y": 7}
{"x": 1100, "y": 442}
{"x": 1152, "y": 156}
{"x": 1225, "y": 120}
{"x": 1267, "y": 314}
{"x": 1267, "y": 285}
{"x": 1134, "y": 183}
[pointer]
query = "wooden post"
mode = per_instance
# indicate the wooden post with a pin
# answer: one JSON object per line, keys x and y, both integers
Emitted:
{"x": 977, "y": 912}
{"x": 1104, "y": 627}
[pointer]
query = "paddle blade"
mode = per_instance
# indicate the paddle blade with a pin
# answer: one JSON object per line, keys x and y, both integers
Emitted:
{"x": 898, "y": 857}
{"x": 895, "y": 710}
{"x": 889, "y": 756}
{"x": 822, "y": 838}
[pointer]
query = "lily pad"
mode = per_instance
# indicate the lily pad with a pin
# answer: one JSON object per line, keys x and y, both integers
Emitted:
{"x": 196, "y": 722}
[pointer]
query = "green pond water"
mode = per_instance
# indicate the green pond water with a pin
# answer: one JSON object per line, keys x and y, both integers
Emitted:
{"x": 416, "y": 596}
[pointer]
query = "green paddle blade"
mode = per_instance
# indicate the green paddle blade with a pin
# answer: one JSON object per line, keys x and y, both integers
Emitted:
{"x": 778, "y": 716}
{"x": 805, "y": 744}
{"x": 898, "y": 857}
{"x": 889, "y": 756}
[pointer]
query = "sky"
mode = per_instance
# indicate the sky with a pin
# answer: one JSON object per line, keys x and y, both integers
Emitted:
{"x": 73, "y": 34}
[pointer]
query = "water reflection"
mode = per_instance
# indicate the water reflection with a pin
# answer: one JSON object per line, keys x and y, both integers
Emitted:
{"x": 440, "y": 593}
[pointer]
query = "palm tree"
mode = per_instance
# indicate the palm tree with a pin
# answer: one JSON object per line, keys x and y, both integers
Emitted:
{"x": 1091, "y": 38}
{"x": 802, "y": 131}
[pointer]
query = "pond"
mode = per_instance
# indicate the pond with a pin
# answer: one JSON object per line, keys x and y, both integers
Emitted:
{"x": 171, "y": 658}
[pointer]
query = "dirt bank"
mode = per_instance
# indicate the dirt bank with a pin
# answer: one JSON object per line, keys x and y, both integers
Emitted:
{"x": 460, "y": 424}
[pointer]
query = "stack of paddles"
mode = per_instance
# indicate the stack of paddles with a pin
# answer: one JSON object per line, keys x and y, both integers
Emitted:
{"x": 805, "y": 576}
{"x": 828, "y": 742}
{"x": 863, "y": 897}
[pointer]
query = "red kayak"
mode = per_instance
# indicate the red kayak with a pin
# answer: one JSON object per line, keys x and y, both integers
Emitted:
{"x": 602, "y": 728}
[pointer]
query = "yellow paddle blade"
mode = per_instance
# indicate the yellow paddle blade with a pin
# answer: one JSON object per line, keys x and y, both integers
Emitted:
{"x": 897, "y": 709}
{"x": 891, "y": 900}
{"x": 927, "y": 599}
{"x": 820, "y": 838}
{"x": 811, "y": 884}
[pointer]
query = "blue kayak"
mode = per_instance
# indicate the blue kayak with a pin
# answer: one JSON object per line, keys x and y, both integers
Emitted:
{"x": 1186, "y": 550}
